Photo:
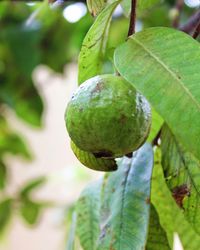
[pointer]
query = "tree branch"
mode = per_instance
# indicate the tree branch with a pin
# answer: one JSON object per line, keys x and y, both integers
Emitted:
{"x": 197, "y": 31}
{"x": 178, "y": 8}
{"x": 191, "y": 24}
{"x": 131, "y": 30}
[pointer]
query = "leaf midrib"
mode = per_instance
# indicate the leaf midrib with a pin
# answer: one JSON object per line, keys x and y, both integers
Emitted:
{"x": 156, "y": 58}
{"x": 124, "y": 191}
{"x": 122, "y": 205}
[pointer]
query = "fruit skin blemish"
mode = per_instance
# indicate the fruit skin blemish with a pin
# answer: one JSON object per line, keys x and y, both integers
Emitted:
{"x": 107, "y": 117}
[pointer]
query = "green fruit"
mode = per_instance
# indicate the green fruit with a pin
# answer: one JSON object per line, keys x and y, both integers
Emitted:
{"x": 90, "y": 161}
{"x": 107, "y": 117}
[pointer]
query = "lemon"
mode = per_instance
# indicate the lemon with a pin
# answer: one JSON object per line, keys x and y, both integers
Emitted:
{"x": 107, "y": 117}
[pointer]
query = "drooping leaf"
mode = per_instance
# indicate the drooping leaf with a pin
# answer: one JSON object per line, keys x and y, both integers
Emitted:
{"x": 171, "y": 216}
{"x": 90, "y": 161}
{"x": 164, "y": 65}
{"x": 182, "y": 173}
{"x": 30, "y": 211}
{"x": 94, "y": 45}
{"x": 5, "y": 213}
{"x": 3, "y": 175}
{"x": 126, "y": 203}
{"x": 157, "y": 238}
{"x": 88, "y": 209}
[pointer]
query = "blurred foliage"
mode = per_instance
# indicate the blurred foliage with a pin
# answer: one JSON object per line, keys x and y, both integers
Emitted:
{"x": 5, "y": 212}
{"x": 34, "y": 35}
{"x": 11, "y": 142}
{"x": 27, "y": 39}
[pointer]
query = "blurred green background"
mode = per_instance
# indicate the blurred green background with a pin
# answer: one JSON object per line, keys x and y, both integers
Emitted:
{"x": 40, "y": 178}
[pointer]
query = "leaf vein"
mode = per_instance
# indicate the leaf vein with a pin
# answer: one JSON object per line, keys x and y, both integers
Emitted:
{"x": 156, "y": 58}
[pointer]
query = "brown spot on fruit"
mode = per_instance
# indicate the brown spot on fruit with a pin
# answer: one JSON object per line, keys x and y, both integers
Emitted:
{"x": 98, "y": 88}
{"x": 103, "y": 153}
{"x": 111, "y": 107}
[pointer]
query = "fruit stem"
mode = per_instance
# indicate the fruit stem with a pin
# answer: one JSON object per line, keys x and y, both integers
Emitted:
{"x": 131, "y": 30}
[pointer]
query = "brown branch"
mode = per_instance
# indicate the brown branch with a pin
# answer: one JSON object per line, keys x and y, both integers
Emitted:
{"x": 131, "y": 30}
{"x": 197, "y": 31}
{"x": 178, "y": 8}
{"x": 191, "y": 24}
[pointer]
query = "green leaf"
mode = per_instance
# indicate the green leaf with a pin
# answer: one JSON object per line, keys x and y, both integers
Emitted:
{"x": 88, "y": 209}
{"x": 115, "y": 37}
{"x": 3, "y": 175}
{"x": 23, "y": 43}
{"x": 141, "y": 5}
{"x": 96, "y": 6}
{"x": 31, "y": 186}
{"x": 157, "y": 238}
{"x": 71, "y": 234}
{"x": 156, "y": 124}
{"x": 25, "y": 101}
{"x": 94, "y": 45}
{"x": 30, "y": 211}
{"x": 5, "y": 213}
{"x": 21, "y": 54}
{"x": 145, "y": 4}
{"x": 10, "y": 142}
{"x": 164, "y": 65}
{"x": 125, "y": 203}
{"x": 182, "y": 173}
{"x": 158, "y": 16}
{"x": 171, "y": 216}
{"x": 14, "y": 144}
{"x": 92, "y": 162}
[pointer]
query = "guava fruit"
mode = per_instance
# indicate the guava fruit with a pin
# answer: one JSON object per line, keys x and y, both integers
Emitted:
{"x": 90, "y": 161}
{"x": 106, "y": 116}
